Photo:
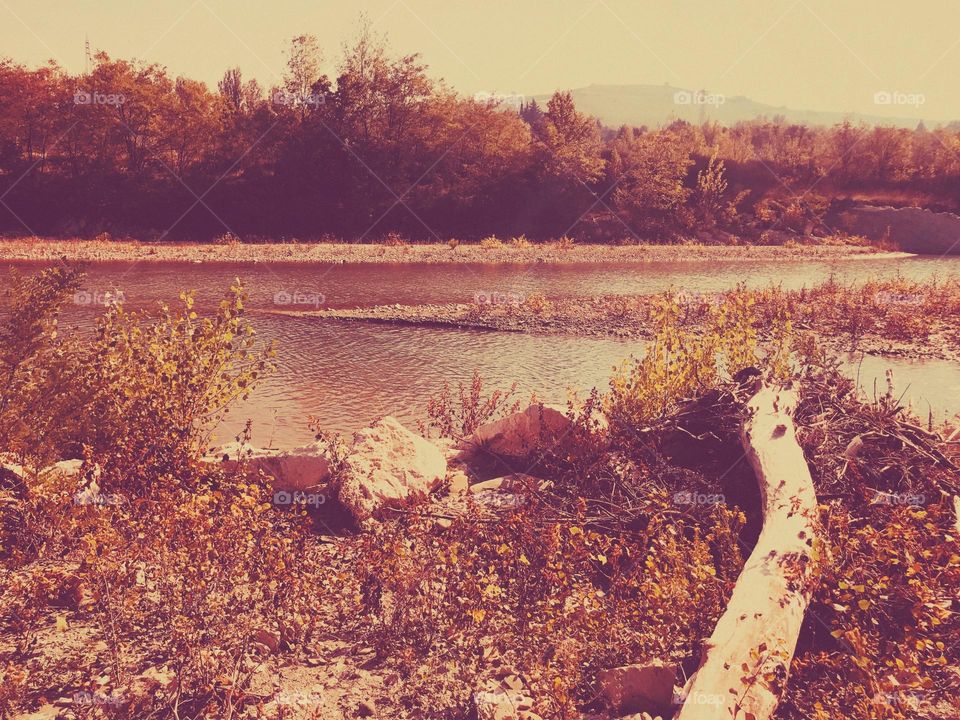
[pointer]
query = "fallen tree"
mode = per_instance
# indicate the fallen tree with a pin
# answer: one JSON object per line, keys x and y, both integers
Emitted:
{"x": 747, "y": 658}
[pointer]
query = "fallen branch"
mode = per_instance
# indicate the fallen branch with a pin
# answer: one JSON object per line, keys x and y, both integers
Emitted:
{"x": 747, "y": 658}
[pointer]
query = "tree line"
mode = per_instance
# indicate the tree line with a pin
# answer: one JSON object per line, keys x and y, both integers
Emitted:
{"x": 381, "y": 148}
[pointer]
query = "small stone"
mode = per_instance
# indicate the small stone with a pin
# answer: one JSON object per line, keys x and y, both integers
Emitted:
{"x": 486, "y": 485}
{"x": 366, "y": 709}
{"x": 266, "y": 638}
{"x": 459, "y": 483}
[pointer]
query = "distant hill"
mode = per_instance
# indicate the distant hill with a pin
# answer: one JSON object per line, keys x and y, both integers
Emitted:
{"x": 656, "y": 105}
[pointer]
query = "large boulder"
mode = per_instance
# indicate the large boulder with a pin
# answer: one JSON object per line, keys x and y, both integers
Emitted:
{"x": 299, "y": 470}
{"x": 387, "y": 466}
{"x": 519, "y": 434}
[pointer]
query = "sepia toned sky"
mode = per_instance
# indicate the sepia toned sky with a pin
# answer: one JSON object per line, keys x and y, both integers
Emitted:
{"x": 832, "y": 55}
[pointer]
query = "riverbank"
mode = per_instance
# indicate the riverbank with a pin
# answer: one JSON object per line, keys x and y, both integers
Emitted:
{"x": 888, "y": 318}
{"x": 38, "y": 249}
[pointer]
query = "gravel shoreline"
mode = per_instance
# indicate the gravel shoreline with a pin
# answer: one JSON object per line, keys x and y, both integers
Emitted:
{"x": 619, "y": 317}
{"x": 436, "y": 253}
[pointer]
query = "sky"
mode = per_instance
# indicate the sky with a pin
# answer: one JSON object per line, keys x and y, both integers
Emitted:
{"x": 882, "y": 57}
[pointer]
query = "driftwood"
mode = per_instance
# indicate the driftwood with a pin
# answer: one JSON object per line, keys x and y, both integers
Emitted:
{"x": 747, "y": 658}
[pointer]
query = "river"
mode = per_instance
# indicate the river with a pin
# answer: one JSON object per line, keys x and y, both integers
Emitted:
{"x": 346, "y": 374}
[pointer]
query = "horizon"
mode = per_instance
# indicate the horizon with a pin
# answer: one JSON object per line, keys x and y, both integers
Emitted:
{"x": 691, "y": 50}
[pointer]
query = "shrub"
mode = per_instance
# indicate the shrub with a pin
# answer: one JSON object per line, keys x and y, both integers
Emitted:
{"x": 520, "y": 242}
{"x": 227, "y": 238}
{"x": 491, "y": 242}
{"x": 39, "y": 373}
{"x": 458, "y": 418}
{"x": 395, "y": 239}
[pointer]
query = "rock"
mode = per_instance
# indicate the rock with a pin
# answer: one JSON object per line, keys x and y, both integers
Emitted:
{"x": 46, "y": 712}
{"x": 366, "y": 709}
{"x": 644, "y": 687}
{"x": 298, "y": 470}
{"x": 67, "y": 468}
{"x": 459, "y": 483}
{"x": 517, "y": 435}
{"x": 487, "y": 485}
{"x": 266, "y": 638}
{"x": 909, "y": 228}
{"x": 387, "y": 466}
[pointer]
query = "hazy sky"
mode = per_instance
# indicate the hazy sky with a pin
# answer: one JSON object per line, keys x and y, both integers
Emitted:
{"x": 810, "y": 54}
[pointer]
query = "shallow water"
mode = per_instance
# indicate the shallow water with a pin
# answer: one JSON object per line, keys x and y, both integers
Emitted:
{"x": 346, "y": 374}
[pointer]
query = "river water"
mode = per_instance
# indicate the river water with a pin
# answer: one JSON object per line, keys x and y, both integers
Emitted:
{"x": 346, "y": 374}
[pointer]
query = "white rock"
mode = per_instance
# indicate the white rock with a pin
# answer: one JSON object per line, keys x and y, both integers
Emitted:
{"x": 387, "y": 466}
{"x": 517, "y": 435}
{"x": 297, "y": 470}
{"x": 67, "y": 468}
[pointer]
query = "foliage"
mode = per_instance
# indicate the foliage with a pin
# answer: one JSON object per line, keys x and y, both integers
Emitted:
{"x": 38, "y": 368}
{"x": 117, "y": 149}
{"x": 680, "y": 364}
{"x": 458, "y": 418}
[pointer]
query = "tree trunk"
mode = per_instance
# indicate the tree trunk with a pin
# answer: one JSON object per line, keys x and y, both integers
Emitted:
{"x": 747, "y": 658}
